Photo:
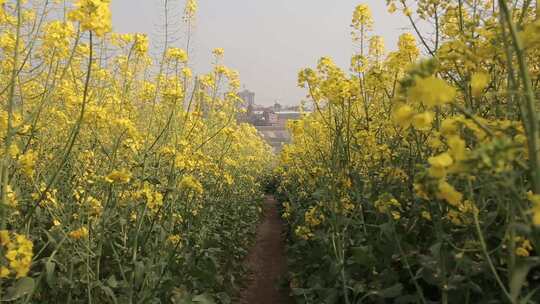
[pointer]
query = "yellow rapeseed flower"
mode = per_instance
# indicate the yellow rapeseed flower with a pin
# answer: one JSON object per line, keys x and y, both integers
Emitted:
{"x": 176, "y": 54}
{"x": 423, "y": 121}
{"x": 362, "y": 17}
{"x": 479, "y": 81}
{"x": 403, "y": 116}
{"x": 432, "y": 91}
{"x": 187, "y": 72}
{"x": 520, "y": 251}
{"x": 449, "y": 126}
{"x": 27, "y": 163}
{"x": 154, "y": 199}
{"x": 57, "y": 38}
{"x": 4, "y": 272}
{"x": 93, "y": 15}
{"x": 420, "y": 191}
{"x": 218, "y": 52}
{"x": 118, "y": 177}
{"x": 191, "y": 184}
{"x": 392, "y": 8}
{"x": 174, "y": 239}
{"x": 535, "y": 200}
{"x": 79, "y": 233}
{"x": 426, "y": 215}
{"x": 408, "y": 50}
{"x": 457, "y": 147}
{"x": 376, "y": 47}
{"x": 448, "y": 193}
{"x": 303, "y": 232}
{"x": 439, "y": 164}
{"x": 4, "y": 237}
{"x": 141, "y": 44}
{"x": 190, "y": 10}
{"x": 18, "y": 253}
{"x": 313, "y": 217}
{"x": 11, "y": 197}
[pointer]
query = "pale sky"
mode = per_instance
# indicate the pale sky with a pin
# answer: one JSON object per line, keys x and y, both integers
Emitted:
{"x": 267, "y": 41}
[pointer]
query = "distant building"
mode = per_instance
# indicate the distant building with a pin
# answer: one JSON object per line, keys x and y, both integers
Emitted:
{"x": 284, "y": 116}
{"x": 277, "y": 107}
{"x": 248, "y": 97}
{"x": 247, "y": 106}
{"x": 270, "y": 121}
{"x": 270, "y": 117}
{"x": 265, "y": 117}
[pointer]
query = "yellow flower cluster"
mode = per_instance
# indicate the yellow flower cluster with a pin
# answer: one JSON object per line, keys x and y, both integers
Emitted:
{"x": 27, "y": 162}
{"x": 79, "y": 234}
{"x": 287, "y": 210}
{"x": 218, "y": 52}
{"x": 57, "y": 38}
{"x": 448, "y": 193}
{"x": 304, "y": 232}
{"x": 174, "y": 240}
{"x": 479, "y": 82}
{"x": 346, "y": 205}
{"x": 11, "y": 197}
{"x": 423, "y": 121}
{"x": 18, "y": 252}
{"x": 190, "y": 10}
{"x": 191, "y": 185}
{"x": 118, "y": 177}
{"x": 431, "y": 91}
{"x": 389, "y": 205}
{"x": 93, "y": 15}
{"x": 535, "y": 200}
{"x": 524, "y": 247}
{"x": 141, "y": 44}
{"x": 313, "y": 217}
{"x": 154, "y": 199}
{"x": 440, "y": 164}
{"x": 177, "y": 54}
{"x": 362, "y": 17}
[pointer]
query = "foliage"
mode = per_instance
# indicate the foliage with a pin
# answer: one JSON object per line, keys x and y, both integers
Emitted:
{"x": 416, "y": 179}
{"x": 123, "y": 179}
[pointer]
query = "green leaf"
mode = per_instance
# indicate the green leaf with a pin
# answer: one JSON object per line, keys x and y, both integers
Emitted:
{"x": 139, "y": 272}
{"x": 223, "y": 297}
{"x": 332, "y": 296}
{"x": 435, "y": 249}
{"x": 407, "y": 299}
{"x": 203, "y": 299}
{"x": 109, "y": 292}
{"x": 112, "y": 282}
{"x": 391, "y": 292}
{"x": 21, "y": 288}
{"x": 528, "y": 297}
{"x": 362, "y": 255}
{"x": 387, "y": 230}
{"x": 359, "y": 288}
{"x": 519, "y": 276}
{"x": 50, "y": 267}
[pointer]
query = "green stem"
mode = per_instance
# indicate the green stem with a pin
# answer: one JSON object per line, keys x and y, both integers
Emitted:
{"x": 533, "y": 141}
{"x": 73, "y": 136}
{"x": 488, "y": 258}
{"x": 9, "y": 133}
{"x": 406, "y": 261}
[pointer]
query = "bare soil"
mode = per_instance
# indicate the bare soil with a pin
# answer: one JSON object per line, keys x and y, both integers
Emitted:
{"x": 267, "y": 261}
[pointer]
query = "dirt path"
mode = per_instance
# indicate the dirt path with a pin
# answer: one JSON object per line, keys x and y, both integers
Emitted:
{"x": 267, "y": 261}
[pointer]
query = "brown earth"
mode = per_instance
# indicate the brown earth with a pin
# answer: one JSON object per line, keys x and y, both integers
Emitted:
{"x": 267, "y": 261}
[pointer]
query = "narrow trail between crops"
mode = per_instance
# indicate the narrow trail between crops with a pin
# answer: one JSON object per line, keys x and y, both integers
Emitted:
{"x": 267, "y": 261}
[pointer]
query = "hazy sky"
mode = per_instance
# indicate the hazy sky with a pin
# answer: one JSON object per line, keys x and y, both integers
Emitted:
{"x": 267, "y": 41}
